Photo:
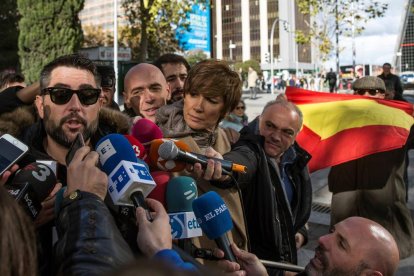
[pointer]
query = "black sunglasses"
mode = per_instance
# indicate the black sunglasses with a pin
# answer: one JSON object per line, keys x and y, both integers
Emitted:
{"x": 240, "y": 107}
{"x": 372, "y": 92}
{"x": 61, "y": 95}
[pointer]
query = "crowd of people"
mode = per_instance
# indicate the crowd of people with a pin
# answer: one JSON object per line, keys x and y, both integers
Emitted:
{"x": 80, "y": 231}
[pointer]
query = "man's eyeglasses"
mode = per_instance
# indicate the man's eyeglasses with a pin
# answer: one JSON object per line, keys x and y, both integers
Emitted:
{"x": 61, "y": 95}
{"x": 372, "y": 92}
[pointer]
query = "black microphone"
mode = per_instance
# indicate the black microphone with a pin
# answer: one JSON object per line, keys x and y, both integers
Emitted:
{"x": 169, "y": 151}
{"x": 31, "y": 186}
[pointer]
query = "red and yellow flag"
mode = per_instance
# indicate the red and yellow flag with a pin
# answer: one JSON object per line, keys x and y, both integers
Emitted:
{"x": 338, "y": 128}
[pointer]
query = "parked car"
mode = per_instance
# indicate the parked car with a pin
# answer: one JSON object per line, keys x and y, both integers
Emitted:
{"x": 409, "y": 98}
{"x": 407, "y": 79}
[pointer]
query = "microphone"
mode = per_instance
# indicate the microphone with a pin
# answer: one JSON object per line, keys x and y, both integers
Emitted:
{"x": 283, "y": 266}
{"x": 169, "y": 151}
{"x": 215, "y": 221}
{"x": 161, "y": 179}
{"x": 31, "y": 185}
{"x": 181, "y": 191}
{"x": 129, "y": 177}
{"x": 166, "y": 164}
{"x": 138, "y": 148}
{"x": 145, "y": 131}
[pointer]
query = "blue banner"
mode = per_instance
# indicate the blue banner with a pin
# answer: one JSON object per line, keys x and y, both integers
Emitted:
{"x": 197, "y": 37}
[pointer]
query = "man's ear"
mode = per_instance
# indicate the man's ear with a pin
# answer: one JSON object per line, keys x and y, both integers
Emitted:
{"x": 101, "y": 98}
{"x": 40, "y": 106}
{"x": 126, "y": 99}
{"x": 168, "y": 92}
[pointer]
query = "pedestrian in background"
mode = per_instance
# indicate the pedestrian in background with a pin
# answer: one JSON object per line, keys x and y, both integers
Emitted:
{"x": 237, "y": 119}
{"x": 331, "y": 79}
{"x": 251, "y": 80}
{"x": 391, "y": 80}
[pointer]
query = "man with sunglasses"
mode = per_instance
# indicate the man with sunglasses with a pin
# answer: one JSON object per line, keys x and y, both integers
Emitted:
{"x": 369, "y": 86}
{"x": 69, "y": 103}
{"x": 373, "y": 186}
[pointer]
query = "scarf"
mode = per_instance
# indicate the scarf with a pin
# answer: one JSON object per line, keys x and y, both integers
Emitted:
{"x": 170, "y": 119}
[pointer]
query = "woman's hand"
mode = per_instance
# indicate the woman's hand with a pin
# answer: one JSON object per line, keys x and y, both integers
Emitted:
{"x": 213, "y": 171}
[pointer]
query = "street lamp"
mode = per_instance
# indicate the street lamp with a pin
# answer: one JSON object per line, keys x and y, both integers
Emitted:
{"x": 399, "y": 55}
{"x": 271, "y": 52}
{"x": 116, "y": 49}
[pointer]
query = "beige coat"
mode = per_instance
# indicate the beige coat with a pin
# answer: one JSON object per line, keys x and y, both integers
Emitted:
{"x": 252, "y": 78}
{"x": 230, "y": 197}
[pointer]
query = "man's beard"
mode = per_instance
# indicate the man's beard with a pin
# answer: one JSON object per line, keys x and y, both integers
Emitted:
{"x": 332, "y": 271}
{"x": 57, "y": 133}
{"x": 177, "y": 95}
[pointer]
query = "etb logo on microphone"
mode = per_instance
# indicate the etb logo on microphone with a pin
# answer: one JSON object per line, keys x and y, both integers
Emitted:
{"x": 184, "y": 225}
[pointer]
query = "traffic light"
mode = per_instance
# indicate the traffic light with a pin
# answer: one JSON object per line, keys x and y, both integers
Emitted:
{"x": 267, "y": 57}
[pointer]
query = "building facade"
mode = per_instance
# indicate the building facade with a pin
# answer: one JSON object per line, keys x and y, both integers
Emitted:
{"x": 101, "y": 13}
{"x": 242, "y": 30}
{"x": 404, "y": 58}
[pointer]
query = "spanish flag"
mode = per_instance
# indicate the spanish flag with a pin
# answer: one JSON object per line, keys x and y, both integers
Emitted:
{"x": 338, "y": 128}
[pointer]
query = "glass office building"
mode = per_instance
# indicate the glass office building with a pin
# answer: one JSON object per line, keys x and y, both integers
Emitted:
{"x": 242, "y": 31}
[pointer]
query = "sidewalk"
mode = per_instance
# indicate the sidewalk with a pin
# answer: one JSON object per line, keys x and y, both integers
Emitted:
{"x": 254, "y": 107}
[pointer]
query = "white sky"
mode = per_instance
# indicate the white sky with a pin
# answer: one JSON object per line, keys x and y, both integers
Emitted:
{"x": 377, "y": 43}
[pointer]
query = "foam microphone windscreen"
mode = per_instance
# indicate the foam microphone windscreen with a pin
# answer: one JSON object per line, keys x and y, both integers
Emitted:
{"x": 138, "y": 148}
{"x": 145, "y": 131}
{"x": 166, "y": 165}
{"x": 113, "y": 149}
{"x": 41, "y": 178}
{"x": 31, "y": 185}
{"x": 161, "y": 178}
{"x": 181, "y": 191}
{"x": 212, "y": 215}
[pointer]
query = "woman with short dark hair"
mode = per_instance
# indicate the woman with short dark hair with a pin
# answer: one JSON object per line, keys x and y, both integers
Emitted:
{"x": 212, "y": 90}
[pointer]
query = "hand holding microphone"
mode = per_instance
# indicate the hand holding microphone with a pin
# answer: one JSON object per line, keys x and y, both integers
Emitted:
{"x": 83, "y": 174}
{"x": 248, "y": 263}
{"x": 5, "y": 176}
{"x": 214, "y": 166}
{"x": 34, "y": 187}
{"x": 129, "y": 178}
{"x": 213, "y": 170}
{"x": 47, "y": 213}
{"x": 154, "y": 235}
